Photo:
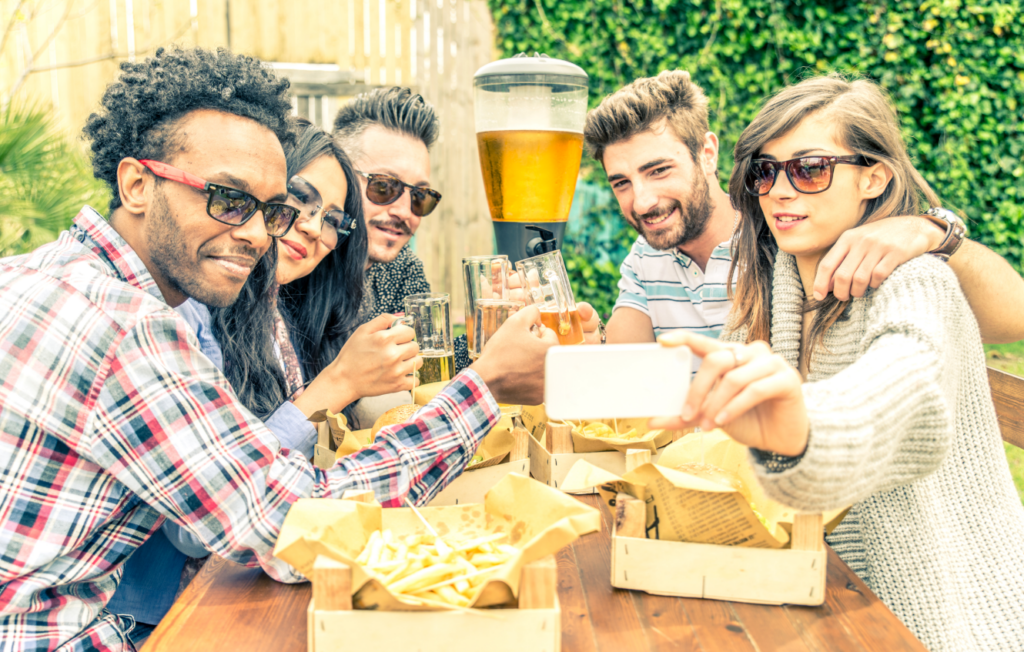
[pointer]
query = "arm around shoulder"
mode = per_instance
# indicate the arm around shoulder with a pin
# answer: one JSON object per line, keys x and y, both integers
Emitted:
{"x": 994, "y": 290}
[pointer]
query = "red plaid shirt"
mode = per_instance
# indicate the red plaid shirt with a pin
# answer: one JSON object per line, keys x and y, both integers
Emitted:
{"x": 112, "y": 420}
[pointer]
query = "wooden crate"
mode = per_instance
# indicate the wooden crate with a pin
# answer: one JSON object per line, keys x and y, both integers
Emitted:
{"x": 700, "y": 570}
{"x": 550, "y": 462}
{"x": 471, "y": 486}
{"x": 333, "y": 626}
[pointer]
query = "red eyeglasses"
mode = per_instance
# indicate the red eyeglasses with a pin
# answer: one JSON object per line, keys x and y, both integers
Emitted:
{"x": 228, "y": 205}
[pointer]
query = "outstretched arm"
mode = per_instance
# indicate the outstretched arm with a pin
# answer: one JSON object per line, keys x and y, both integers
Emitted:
{"x": 866, "y": 256}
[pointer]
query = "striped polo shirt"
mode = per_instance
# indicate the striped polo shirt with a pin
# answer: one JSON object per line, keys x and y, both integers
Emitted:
{"x": 672, "y": 290}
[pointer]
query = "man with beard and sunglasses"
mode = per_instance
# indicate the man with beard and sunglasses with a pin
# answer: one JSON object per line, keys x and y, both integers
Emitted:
{"x": 662, "y": 163}
{"x": 111, "y": 417}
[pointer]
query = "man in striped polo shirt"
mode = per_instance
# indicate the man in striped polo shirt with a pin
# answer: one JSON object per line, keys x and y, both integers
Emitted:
{"x": 662, "y": 163}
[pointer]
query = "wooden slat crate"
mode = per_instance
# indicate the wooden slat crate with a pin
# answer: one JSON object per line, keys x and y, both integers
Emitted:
{"x": 472, "y": 486}
{"x": 535, "y": 626}
{"x": 551, "y": 459}
{"x": 699, "y": 570}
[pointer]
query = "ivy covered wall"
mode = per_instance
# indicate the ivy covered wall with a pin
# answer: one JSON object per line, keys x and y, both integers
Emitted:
{"x": 954, "y": 69}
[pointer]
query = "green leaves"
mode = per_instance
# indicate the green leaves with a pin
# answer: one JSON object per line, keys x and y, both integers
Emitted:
{"x": 44, "y": 180}
{"x": 954, "y": 68}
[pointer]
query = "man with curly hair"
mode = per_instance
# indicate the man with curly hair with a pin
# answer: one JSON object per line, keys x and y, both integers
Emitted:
{"x": 111, "y": 418}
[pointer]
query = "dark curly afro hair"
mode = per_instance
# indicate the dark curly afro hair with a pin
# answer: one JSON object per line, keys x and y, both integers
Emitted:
{"x": 141, "y": 108}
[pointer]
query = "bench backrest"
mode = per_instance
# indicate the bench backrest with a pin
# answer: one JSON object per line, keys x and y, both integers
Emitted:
{"x": 1008, "y": 396}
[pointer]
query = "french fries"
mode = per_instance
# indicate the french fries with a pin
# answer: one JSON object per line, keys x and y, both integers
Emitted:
{"x": 599, "y": 430}
{"x": 429, "y": 569}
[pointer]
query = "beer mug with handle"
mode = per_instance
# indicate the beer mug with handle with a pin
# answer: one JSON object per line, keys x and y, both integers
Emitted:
{"x": 546, "y": 285}
{"x": 485, "y": 277}
{"x": 430, "y": 317}
{"x": 489, "y": 315}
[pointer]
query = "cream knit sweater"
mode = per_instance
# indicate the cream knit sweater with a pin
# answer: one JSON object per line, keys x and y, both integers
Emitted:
{"x": 903, "y": 429}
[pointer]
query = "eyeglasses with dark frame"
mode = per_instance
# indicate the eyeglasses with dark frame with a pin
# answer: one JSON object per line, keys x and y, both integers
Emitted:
{"x": 228, "y": 205}
{"x": 340, "y": 224}
{"x": 809, "y": 175}
{"x": 384, "y": 189}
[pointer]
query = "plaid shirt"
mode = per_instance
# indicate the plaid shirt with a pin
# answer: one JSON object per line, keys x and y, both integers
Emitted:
{"x": 112, "y": 420}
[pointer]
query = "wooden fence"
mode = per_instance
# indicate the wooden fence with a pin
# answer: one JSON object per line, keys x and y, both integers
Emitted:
{"x": 64, "y": 53}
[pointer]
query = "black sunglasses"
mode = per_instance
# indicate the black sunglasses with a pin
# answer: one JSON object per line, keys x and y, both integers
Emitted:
{"x": 228, "y": 205}
{"x": 808, "y": 174}
{"x": 339, "y": 224}
{"x": 384, "y": 189}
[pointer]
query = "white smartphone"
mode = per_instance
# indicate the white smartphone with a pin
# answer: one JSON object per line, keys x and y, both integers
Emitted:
{"x": 616, "y": 381}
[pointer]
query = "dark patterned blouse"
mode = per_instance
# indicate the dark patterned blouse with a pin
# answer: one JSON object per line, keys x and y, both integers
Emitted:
{"x": 387, "y": 286}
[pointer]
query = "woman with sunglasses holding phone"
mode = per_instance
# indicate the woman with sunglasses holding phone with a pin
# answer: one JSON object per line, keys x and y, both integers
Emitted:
{"x": 297, "y": 315}
{"x": 880, "y": 402}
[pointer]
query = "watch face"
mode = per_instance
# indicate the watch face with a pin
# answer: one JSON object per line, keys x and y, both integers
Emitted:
{"x": 943, "y": 214}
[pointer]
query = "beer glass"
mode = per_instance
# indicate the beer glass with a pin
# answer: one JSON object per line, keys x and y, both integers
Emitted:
{"x": 431, "y": 319}
{"x": 546, "y": 285}
{"x": 489, "y": 315}
{"x": 485, "y": 277}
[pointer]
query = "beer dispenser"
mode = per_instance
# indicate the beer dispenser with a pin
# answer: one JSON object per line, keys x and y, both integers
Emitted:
{"x": 529, "y": 129}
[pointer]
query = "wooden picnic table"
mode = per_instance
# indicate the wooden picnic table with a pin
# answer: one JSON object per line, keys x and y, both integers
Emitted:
{"x": 230, "y": 607}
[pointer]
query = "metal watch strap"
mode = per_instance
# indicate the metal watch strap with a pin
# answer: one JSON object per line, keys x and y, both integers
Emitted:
{"x": 956, "y": 231}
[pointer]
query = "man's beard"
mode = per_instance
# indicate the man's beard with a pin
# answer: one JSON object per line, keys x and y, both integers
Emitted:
{"x": 377, "y": 253}
{"x": 693, "y": 217}
{"x": 168, "y": 252}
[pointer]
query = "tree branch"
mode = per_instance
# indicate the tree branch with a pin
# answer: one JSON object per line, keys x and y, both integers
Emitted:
{"x": 84, "y": 62}
{"x": 32, "y": 55}
{"x": 53, "y": 34}
{"x": 10, "y": 24}
{"x": 76, "y": 64}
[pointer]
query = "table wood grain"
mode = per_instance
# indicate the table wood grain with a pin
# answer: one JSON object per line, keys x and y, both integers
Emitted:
{"x": 230, "y": 607}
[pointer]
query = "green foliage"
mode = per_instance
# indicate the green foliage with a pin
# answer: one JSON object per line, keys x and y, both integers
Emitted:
{"x": 954, "y": 68}
{"x": 44, "y": 180}
{"x": 596, "y": 241}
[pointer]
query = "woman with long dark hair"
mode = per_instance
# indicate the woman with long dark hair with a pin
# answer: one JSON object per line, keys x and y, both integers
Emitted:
{"x": 320, "y": 265}
{"x": 296, "y": 318}
{"x": 880, "y": 403}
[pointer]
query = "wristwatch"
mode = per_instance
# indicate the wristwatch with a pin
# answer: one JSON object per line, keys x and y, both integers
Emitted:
{"x": 956, "y": 231}
{"x": 600, "y": 328}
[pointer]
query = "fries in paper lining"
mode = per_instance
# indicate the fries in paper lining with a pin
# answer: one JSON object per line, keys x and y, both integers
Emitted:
{"x": 421, "y": 566}
{"x": 521, "y": 520}
{"x": 616, "y": 434}
{"x": 598, "y": 430}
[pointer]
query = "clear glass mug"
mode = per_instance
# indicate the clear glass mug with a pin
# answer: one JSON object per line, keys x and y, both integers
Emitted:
{"x": 489, "y": 315}
{"x": 429, "y": 315}
{"x": 484, "y": 277}
{"x": 546, "y": 285}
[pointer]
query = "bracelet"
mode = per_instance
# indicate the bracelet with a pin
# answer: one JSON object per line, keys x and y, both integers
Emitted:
{"x": 602, "y": 331}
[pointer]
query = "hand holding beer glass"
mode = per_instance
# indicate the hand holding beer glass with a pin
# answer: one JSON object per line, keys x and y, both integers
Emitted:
{"x": 430, "y": 316}
{"x": 546, "y": 284}
{"x": 485, "y": 278}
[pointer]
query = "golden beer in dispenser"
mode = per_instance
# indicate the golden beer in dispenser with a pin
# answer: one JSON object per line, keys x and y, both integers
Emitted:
{"x": 528, "y": 175}
{"x": 529, "y": 125}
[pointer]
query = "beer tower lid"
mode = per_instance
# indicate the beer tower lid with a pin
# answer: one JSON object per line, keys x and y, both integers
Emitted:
{"x": 523, "y": 64}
